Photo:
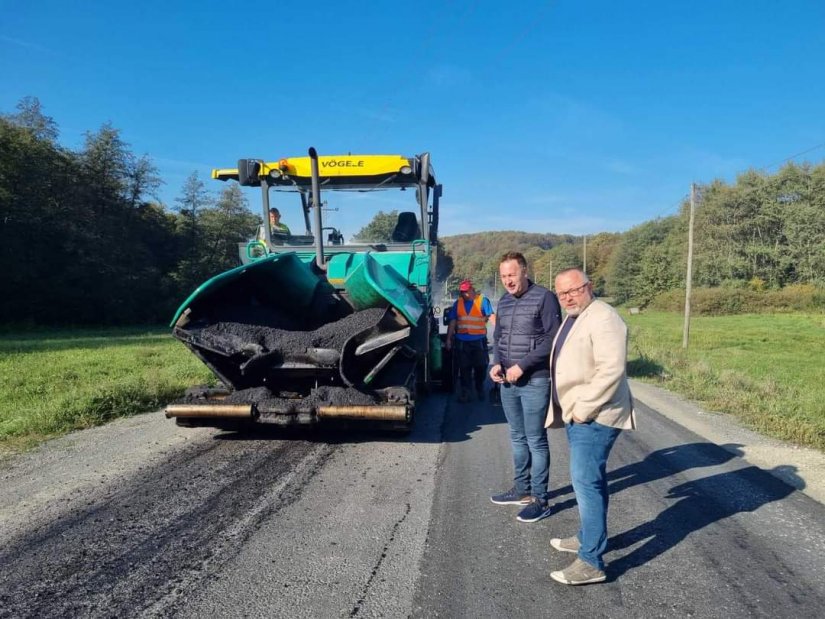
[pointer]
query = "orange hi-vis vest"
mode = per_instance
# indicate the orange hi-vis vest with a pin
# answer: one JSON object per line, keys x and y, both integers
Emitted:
{"x": 474, "y": 323}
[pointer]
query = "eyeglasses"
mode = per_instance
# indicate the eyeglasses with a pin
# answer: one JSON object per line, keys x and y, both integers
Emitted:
{"x": 573, "y": 292}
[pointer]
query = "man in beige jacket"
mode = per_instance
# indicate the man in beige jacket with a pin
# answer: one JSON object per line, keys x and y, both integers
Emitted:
{"x": 591, "y": 399}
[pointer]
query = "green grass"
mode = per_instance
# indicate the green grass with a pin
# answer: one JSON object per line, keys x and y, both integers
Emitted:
{"x": 766, "y": 369}
{"x": 55, "y": 381}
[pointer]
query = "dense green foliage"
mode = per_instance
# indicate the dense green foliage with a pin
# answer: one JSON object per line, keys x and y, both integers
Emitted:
{"x": 379, "y": 230}
{"x": 723, "y": 301}
{"x": 762, "y": 233}
{"x": 82, "y": 239}
{"x": 765, "y": 228}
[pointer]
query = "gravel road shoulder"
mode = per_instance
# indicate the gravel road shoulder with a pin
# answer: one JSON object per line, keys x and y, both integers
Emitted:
{"x": 724, "y": 430}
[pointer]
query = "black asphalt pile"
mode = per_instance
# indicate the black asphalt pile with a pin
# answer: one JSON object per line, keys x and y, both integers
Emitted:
{"x": 266, "y": 401}
{"x": 257, "y": 314}
{"x": 238, "y": 336}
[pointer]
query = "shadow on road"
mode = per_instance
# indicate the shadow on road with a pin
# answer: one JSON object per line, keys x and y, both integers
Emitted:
{"x": 666, "y": 462}
{"x": 659, "y": 465}
{"x": 698, "y": 504}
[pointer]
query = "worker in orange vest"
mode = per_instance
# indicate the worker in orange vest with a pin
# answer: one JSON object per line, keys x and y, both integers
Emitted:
{"x": 467, "y": 336}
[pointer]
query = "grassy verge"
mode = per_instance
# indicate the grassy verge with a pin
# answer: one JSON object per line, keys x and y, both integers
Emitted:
{"x": 766, "y": 369}
{"x": 52, "y": 382}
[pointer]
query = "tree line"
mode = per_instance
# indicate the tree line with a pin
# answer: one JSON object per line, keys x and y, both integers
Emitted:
{"x": 764, "y": 232}
{"x": 84, "y": 239}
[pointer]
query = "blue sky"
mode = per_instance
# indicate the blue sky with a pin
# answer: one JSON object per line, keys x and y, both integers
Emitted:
{"x": 567, "y": 116}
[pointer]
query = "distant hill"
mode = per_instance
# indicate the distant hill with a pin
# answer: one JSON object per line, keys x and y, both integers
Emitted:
{"x": 763, "y": 233}
{"x": 500, "y": 242}
{"x": 477, "y": 255}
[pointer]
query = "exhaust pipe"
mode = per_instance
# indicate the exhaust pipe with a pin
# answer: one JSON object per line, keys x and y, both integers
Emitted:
{"x": 235, "y": 411}
{"x": 316, "y": 201}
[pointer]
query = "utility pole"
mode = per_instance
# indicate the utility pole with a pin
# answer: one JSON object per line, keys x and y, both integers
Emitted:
{"x": 689, "y": 275}
{"x": 584, "y": 255}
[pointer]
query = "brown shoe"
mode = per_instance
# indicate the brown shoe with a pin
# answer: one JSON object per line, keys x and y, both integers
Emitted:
{"x": 578, "y": 573}
{"x": 568, "y": 544}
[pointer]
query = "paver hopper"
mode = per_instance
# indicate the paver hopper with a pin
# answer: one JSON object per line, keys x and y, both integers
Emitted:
{"x": 318, "y": 329}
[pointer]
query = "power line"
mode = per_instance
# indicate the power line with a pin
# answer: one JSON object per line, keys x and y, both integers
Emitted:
{"x": 804, "y": 152}
{"x": 764, "y": 169}
{"x": 673, "y": 209}
{"x": 747, "y": 191}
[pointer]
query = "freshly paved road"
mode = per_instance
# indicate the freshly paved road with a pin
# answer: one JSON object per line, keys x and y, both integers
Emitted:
{"x": 694, "y": 531}
{"x": 141, "y": 518}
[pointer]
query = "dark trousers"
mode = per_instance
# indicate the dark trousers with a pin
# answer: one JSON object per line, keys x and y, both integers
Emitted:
{"x": 472, "y": 364}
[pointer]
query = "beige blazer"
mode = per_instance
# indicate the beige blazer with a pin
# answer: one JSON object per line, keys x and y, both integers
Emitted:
{"x": 591, "y": 371}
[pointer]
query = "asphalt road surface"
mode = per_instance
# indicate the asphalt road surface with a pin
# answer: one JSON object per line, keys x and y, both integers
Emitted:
{"x": 144, "y": 519}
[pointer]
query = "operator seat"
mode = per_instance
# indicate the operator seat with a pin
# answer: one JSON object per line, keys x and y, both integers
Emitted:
{"x": 406, "y": 230}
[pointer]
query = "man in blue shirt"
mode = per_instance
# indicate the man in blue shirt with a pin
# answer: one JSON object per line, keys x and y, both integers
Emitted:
{"x": 467, "y": 335}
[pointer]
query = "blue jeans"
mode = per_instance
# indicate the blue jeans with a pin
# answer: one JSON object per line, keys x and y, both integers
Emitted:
{"x": 590, "y": 445}
{"x": 525, "y": 407}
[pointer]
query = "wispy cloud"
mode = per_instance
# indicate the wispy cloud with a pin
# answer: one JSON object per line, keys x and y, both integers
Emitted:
{"x": 598, "y": 198}
{"x": 619, "y": 166}
{"x": 384, "y": 114}
{"x": 25, "y": 44}
{"x": 546, "y": 200}
{"x": 707, "y": 164}
{"x": 568, "y": 113}
{"x": 446, "y": 75}
{"x": 574, "y": 212}
{"x": 560, "y": 224}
